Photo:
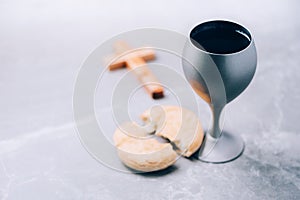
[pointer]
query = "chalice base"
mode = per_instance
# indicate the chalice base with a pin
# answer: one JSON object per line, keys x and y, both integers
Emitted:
{"x": 224, "y": 149}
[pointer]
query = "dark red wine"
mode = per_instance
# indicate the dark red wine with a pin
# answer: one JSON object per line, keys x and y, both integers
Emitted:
{"x": 218, "y": 39}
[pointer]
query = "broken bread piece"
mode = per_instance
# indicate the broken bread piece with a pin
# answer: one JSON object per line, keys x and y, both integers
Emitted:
{"x": 141, "y": 152}
{"x": 138, "y": 149}
{"x": 180, "y": 126}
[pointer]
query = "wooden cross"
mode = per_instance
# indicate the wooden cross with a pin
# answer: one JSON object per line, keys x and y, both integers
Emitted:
{"x": 136, "y": 61}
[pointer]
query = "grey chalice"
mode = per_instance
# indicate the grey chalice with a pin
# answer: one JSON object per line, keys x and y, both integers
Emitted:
{"x": 219, "y": 61}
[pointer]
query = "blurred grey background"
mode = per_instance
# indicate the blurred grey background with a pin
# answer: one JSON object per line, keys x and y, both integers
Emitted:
{"x": 42, "y": 45}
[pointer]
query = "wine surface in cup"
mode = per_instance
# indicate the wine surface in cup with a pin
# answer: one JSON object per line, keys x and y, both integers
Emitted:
{"x": 220, "y": 40}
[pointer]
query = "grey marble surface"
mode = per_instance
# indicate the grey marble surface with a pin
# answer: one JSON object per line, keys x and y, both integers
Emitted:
{"x": 43, "y": 43}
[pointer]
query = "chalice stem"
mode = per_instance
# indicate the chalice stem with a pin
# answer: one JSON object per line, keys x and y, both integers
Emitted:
{"x": 215, "y": 129}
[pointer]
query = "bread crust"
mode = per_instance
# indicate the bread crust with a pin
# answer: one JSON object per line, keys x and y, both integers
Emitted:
{"x": 139, "y": 150}
{"x": 143, "y": 154}
{"x": 179, "y": 125}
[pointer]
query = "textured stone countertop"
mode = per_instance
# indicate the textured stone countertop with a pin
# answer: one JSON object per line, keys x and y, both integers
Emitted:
{"x": 42, "y": 45}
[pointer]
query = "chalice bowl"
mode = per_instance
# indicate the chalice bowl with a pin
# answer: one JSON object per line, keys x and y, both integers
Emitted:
{"x": 219, "y": 62}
